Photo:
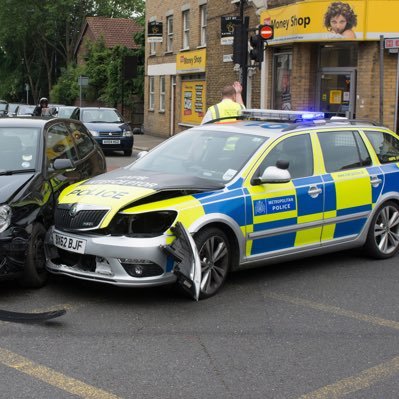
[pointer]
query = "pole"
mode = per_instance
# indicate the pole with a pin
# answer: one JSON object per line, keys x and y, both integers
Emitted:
{"x": 395, "y": 126}
{"x": 244, "y": 51}
{"x": 381, "y": 79}
{"x": 80, "y": 91}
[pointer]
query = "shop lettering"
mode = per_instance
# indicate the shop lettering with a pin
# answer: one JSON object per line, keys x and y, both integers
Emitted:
{"x": 99, "y": 193}
{"x": 290, "y": 23}
{"x": 195, "y": 60}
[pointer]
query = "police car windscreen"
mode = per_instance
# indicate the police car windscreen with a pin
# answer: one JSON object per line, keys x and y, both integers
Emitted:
{"x": 212, "y": 155}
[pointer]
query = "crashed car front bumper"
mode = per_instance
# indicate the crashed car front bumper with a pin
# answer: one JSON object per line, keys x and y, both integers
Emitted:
{"x": 121, "y": 260}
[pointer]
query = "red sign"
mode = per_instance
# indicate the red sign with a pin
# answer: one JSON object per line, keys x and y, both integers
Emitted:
{"x": 266, "y": 32}
{"x": 391, "y": 43}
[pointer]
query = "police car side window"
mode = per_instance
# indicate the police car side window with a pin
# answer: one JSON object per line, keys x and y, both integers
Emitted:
{"x": 297, "y": 150}
{"x": 340, "y": 150}
{"x": 385, "y": 145}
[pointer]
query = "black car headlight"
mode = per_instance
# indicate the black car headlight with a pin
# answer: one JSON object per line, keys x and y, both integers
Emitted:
{"x": 149, "y": 224}
{"x": 5, "y": 217}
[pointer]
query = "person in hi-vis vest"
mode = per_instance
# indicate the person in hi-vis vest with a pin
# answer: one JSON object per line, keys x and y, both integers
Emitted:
{"x": 231, "y": 104}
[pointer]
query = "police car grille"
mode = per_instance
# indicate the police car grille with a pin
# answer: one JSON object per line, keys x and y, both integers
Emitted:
{"x": 85, "y": 219}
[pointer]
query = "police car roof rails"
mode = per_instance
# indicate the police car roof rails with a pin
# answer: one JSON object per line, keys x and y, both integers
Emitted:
{"x": 281, "y": 115}
{"x": 333, "y": 120}
{"x": 225, "y": 118}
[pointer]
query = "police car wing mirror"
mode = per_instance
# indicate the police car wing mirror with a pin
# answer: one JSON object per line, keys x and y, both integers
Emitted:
{"x": 273, "y": 174}
{"x": 63, "y": 164}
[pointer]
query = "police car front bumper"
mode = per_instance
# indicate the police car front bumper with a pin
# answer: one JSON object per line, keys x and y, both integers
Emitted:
{"x": 121, "y": 261}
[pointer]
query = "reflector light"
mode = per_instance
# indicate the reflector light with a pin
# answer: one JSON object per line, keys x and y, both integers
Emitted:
{"x": 280, "y": 115}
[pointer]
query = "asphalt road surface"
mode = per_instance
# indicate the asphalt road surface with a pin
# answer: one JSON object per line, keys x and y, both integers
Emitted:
{"x": 318, "y": 328}
{"x": 324, "y": 327}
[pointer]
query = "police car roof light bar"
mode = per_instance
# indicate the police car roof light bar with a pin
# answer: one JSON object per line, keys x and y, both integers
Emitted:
{"x": 281, "y": 115}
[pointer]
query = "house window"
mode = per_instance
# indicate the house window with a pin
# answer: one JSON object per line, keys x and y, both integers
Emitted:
{"x": 162, "y": 93}
{"x": 169, "y": 32}
{"x": 152, "y": 49}
{"x": 186, "y": 29}
{"x": 151, "y": 97}
{"x": 203, "y": 14}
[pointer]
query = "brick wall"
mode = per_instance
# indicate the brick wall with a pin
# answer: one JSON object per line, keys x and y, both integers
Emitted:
{"x": 368, "y": 84}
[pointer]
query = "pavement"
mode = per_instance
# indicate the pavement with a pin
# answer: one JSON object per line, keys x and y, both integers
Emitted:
{"x": 145, "y": 142}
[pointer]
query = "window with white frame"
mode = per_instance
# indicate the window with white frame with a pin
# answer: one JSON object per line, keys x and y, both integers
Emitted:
{"x": 151, "y": 96}
{"x": 203, "y": 16}
{"x": 162, "y": 93}
{"x": 169, "y": 33}
{"x": 186, "y": 29}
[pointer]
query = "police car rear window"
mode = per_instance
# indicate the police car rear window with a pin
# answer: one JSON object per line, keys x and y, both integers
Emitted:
{"x": 385, "y": 145}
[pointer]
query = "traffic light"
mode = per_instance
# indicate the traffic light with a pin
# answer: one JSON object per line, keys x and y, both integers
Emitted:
{"x": 237, "y": 45}
{"x": 257, "y": 51}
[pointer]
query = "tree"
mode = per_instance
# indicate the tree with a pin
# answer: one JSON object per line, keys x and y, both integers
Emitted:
{"x": 42, "y": 36}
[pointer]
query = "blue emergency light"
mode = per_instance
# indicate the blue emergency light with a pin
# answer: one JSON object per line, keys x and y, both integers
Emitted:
{"x": 281, "y": 115}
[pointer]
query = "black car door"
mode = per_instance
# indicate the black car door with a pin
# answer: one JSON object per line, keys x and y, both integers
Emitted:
{"x": 60, "y": 145}
{"x": 91, "y": 158}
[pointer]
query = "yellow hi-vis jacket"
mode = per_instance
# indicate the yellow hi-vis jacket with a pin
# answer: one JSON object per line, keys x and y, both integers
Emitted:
{"x": 226, "y": 108}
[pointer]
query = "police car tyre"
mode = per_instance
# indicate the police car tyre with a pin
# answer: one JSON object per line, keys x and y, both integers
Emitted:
{"x": 35, "y": 274}
{"x": 128, "y": 153}
{"x": 214, "y": 252}
{"x": 383, "y": 236}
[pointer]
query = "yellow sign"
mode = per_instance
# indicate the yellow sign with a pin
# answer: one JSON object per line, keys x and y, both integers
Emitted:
{"x": 326, "y": 20}
{"x": 191, "y": 61}
{"x": 335, "y": 96}
{"x": 193, "y": 95}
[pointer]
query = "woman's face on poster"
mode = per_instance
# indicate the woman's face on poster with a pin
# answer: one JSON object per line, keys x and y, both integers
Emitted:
{"x": 338, "y": 24}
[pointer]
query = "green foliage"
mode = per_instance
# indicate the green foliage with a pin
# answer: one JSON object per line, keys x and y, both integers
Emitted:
{"x": 67, "y": 88}
{"x": 38, "y": 39}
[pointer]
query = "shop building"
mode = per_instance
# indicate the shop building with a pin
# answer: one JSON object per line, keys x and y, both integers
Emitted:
{"x": 307, "y": 65}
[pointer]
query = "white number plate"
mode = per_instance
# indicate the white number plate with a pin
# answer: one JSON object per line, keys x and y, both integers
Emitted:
{"x": 111, "y": 141}
{"x": 69, "y": 243}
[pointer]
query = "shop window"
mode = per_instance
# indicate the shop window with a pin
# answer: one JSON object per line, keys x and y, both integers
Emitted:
{"x": 282, "y": 81}
{"x": 169, "y": 33}
{"x": 162, "y": 93}
{"x": 203, "y": 14}
{"x": 338, "y": 55}
{"x": 186, "y": 29}
{"x": 151, "y": 91}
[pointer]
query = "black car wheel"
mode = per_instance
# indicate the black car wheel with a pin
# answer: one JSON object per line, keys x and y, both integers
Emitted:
{"x": 214, "y": 253}
{"x": 383, "y": 236}
{"x": 128, "y": 153}
{"x": 35, "y": 274}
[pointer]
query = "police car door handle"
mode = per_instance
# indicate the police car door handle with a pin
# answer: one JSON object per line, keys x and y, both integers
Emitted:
{"x": 375, "y": 181}
{"x": 314, "y": 191}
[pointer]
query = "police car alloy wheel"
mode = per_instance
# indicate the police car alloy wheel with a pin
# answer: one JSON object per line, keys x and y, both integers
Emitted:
{"x": 214, "y": 253}
{"x": 383, "y": 236}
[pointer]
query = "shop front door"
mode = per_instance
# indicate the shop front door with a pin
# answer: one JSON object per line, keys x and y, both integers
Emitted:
{"x": 337, "y": 93}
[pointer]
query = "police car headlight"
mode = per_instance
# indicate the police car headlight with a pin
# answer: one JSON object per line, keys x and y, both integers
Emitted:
{"x": 5, "y": 217}
{"x": 94, "y": 133}
{"x": 127, "y": 133}
{"x": 149, "y": 224}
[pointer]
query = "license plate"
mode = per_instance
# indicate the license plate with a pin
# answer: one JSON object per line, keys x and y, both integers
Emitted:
{"x": 69, "y": 243}
{"x": 111, "y": 141}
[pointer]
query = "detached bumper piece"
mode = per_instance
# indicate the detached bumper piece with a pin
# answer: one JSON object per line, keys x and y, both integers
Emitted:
{"x": 187, "y": 266}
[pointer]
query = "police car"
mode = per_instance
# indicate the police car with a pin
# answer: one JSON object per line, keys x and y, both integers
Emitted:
{"x": 219, "y": 197}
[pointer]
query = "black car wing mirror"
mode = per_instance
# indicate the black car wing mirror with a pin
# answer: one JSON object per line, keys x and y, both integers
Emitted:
{"x": 63, "y": 164}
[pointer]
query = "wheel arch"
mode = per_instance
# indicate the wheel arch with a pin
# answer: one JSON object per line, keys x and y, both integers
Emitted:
{"x": 236, "y": 245}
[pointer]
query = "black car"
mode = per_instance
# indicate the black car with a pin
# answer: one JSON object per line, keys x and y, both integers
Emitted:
{"x": 108, "y": 127}
{"x": 38, "y": 159}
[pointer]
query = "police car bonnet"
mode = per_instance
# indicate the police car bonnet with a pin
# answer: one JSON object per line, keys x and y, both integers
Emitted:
{"x": 154, "y": 181}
